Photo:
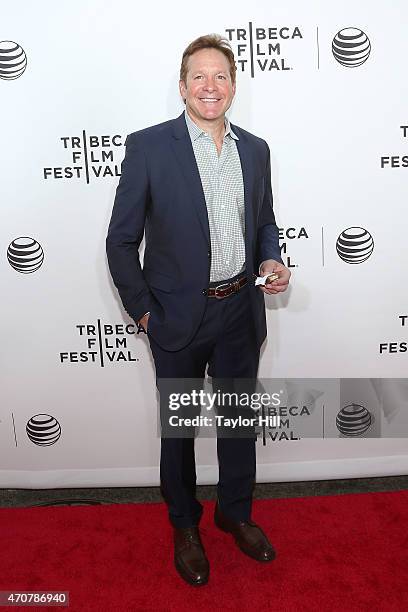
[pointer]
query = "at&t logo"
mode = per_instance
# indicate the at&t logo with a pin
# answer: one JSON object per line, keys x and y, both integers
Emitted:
{"x": 13, "y": 60}
{"x": 43, "y": 430}
{"x": 351, "y": 47}
{"x": 354, "y": 245}
{"x": 353, "y": 420}
{"x": 25, "y": 255}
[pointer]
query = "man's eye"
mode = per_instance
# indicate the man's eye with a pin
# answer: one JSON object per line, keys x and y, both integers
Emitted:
{"x": 198, "y": 76}
{"x": 222, "y": 76}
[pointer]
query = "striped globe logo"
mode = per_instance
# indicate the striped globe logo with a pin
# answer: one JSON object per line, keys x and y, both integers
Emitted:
{"x": 13, "y": 60}
{"x": 354, "y": 245}
{"x": 25, "y": 255}
{"x": 43, "y": 429}
{"x": 353, "y": 420}
{"x": 351, "y": 47}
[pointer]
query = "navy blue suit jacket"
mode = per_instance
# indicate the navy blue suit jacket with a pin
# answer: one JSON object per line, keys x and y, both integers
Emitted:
{"x": 160, "y": 194}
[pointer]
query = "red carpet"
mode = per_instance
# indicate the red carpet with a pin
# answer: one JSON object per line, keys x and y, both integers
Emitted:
{"x": 337, "y": 553}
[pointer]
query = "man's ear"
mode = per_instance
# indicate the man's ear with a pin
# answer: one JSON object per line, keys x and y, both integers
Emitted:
{"x": 183, "y": 89}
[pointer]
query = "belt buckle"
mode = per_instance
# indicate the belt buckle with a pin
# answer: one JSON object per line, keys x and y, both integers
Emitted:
{"x": 218, "y": 288}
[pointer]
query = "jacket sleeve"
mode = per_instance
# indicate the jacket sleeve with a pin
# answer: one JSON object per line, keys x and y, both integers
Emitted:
{"x": 268, "y": 232}
{"x": 126, "y": 230}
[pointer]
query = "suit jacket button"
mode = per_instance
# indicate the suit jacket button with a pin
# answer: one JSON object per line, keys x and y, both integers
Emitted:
{"x": 209, "y": 253}
{"x": 204, "y": 292}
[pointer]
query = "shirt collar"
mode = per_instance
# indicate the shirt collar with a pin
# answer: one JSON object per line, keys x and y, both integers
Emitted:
{"x": 195, "y": 131}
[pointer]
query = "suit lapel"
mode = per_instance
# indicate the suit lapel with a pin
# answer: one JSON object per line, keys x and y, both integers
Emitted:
{"x": 183, "y": 150}
{"x": 248, "y": 173}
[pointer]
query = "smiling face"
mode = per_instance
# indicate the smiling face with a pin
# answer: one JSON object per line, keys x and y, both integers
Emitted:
{"x": 208, "y": 89}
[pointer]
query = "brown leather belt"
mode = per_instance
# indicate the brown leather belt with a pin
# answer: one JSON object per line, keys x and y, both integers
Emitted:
{"x": 226, "y": 289}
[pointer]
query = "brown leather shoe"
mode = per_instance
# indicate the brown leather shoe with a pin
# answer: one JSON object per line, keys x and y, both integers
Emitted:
{"x": 249, "y": 537}
{"x": 189, "y": 556}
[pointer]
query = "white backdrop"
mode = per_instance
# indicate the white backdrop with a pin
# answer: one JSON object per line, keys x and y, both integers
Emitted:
{"x": 96, "y": 71}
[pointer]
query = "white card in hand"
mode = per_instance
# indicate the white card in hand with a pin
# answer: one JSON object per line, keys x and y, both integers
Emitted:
{"x": 262, "y": 280}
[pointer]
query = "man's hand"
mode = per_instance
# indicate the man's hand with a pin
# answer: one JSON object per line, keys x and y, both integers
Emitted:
{"x": 280, "y": 284}
{"x": 144, "y": 321}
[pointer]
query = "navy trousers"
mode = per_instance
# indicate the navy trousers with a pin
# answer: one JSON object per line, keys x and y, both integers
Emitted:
{"x": 225, "y": 341}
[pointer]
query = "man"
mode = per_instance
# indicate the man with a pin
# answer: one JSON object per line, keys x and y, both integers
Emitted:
{"x": 199, "y": 189}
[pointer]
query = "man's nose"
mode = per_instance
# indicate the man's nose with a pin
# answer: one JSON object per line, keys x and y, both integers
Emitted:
{"x": 210, "y": 84}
